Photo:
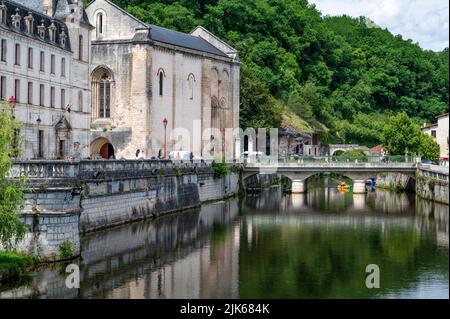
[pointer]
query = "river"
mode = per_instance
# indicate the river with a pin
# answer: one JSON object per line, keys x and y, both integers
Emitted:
{"x": 314, "y": 245}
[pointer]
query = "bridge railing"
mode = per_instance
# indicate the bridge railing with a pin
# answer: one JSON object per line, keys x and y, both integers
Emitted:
{"x": 378, "y": 160}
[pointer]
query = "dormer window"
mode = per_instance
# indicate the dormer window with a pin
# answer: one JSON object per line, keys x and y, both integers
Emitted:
{"x": 41, "y": 30}
{"x": 29, "y": 22}
{"x": 63, "y": 37}
{"x": 52, "y": 32}
{"x": 3, "y": 13}
{"x": 16, "y": 19}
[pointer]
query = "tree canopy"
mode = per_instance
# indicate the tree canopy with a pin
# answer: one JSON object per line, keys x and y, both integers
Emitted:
{"x": 341, "y": 72}
{"x": 11, "y": 195}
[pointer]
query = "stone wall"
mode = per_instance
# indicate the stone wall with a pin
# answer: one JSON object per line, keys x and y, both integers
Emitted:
{"x": 72, "y": 197}
{"x": 47, "y": 232}
{"x": 432, "y": 185}
{"x": 395, "y": 181}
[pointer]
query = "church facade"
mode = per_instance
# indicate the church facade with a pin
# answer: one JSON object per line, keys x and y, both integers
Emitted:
{"x": 44, "y": 73}
{"x": 150, "y": 84}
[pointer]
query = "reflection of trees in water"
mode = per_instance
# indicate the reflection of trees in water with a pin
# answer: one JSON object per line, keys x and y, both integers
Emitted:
{"x": 391, "y": 203}
{"x": 311, "y": 261}
{"x": 432, "y": 216}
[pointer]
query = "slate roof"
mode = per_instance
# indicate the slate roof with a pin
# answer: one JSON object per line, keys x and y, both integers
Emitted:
{"x": 38, "y": 18}
{"x": 184, "y": 40}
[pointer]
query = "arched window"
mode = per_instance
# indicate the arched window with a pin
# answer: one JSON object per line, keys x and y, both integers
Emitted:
{"x": 80, "y": 47}
{"x": 101, "y": 93}
{"x": 191, "y": 80}
{"x": 104, "y": 96}
{"x": 161, "y": 76}
{"x": 99, "y": 26}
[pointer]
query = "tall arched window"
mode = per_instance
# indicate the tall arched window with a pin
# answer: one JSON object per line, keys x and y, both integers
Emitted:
{"x": 104, "y": 96}
{"x": 99, "y": 27}
{"x": 101, "y": 93}
{"x": 161, "y": 76}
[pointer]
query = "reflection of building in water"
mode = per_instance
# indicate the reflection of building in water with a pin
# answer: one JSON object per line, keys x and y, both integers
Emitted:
{"x": 206, "y": 268}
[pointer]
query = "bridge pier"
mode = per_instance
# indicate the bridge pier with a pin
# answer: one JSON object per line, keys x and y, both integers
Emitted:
{"x": 298, "y": 186}
{"x": 359, "y": 186}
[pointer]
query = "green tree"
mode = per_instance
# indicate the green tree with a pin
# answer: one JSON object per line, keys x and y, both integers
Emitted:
{"x": 12, "y": 229}
{"x": 429, "y": 149}
{"x": 331, "y": 71}
{"x": 401, "y": 135}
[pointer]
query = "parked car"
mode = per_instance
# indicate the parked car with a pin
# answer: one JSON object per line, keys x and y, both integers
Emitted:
{"x": 252, "y": 153}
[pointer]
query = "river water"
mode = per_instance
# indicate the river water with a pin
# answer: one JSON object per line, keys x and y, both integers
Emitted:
{"x": 314, "y": 245}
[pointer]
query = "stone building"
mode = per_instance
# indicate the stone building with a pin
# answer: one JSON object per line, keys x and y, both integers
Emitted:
{"x": 142, "y": 74}
{"x": 439, "y": 131}
{"x": 44, "y": 70}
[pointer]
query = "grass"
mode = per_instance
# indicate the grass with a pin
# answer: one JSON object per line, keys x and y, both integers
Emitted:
{"x": 14, "y": 260}
{"x": 293, "y": 120}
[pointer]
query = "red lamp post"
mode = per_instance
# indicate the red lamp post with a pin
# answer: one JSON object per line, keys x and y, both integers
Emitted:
{"x": 165, "y": 121}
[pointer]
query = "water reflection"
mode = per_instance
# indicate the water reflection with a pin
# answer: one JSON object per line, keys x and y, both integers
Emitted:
{"x": 313, "y": 245}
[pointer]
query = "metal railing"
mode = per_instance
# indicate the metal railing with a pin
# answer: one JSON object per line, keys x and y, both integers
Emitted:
{"x": 302, "y": 160}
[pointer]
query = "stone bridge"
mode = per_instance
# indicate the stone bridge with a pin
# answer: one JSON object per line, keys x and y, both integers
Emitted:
{"x": 358, "y": 172}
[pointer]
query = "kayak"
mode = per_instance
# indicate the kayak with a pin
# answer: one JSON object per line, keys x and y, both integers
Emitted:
{"x": 343, "y": 186}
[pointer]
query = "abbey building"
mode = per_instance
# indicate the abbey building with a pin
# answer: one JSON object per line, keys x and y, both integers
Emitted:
{"x": 44, "y": 73}
{"x": 97, "y": 82}
{"x": 144, "y": 74}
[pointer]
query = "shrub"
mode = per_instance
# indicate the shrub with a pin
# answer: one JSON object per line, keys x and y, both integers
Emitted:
{"x": 66, "y": 249}
{"x": 219, "y": 169}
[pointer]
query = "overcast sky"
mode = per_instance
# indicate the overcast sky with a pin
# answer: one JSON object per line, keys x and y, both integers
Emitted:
{"x": 423, "y": 21}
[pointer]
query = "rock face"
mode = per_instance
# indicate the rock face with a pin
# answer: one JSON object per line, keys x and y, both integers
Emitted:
{"x": 68, "y": 198}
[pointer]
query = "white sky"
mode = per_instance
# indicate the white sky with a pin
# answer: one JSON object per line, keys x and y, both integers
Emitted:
{"x": 423, "y": 21}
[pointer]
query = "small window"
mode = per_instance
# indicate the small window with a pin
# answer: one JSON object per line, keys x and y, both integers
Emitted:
{"x": 433, "y": 133}
{"x": 3, "y": 51}
{"x": 63, "y": 98}
{"x": 63, "y": 66}
{"x": 161, "y": 81}
{"x": 17, "y": 54}
{"x": 52, "y": 64}
{"x": 30, "y": 58}
{"x": 191, "y": 80}
{"x": 3, "y": 88}
{"x": 52, "y": 96}
{"x": 30, "y": 93}
{"x": 80, "y": 101}
{"x": 17, "y": 90}
{"x": 99, "y": 27}
{"x": 42, "y": 62}
{"x": 41, "y": 95}
{"x": 80, "y": 47}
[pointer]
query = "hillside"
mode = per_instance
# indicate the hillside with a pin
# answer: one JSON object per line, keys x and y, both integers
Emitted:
{"x": 340, "y": 72}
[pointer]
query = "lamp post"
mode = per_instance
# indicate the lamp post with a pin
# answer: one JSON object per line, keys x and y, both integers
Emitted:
{"x": 165, "y": 121}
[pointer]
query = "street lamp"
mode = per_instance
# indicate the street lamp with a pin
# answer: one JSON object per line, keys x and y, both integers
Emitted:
{"x": 165, "y": 121}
